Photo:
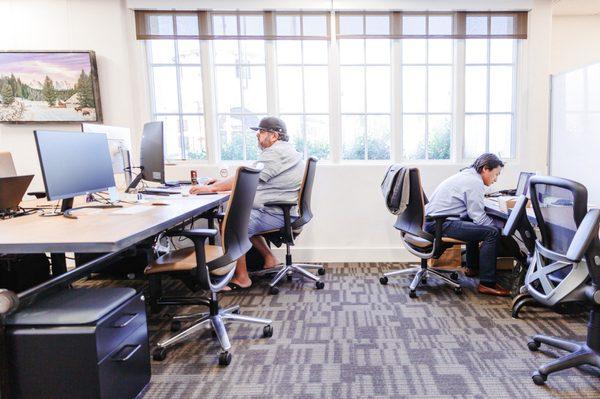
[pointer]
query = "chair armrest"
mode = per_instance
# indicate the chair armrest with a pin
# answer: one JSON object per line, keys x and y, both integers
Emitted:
{"x": 37, "y": 194}
{"x": 440, "y": 216}
{"x": 282, "y": 204}
{"x": 515, "y": 217}
{"x": 193, "y": 233}
{"x": 587, "y": 231}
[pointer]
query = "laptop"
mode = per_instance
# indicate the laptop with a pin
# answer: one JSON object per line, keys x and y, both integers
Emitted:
{"x": 7, "y": 166}
{"x": 523, "y": 184}
{"x": 12, "y": 190}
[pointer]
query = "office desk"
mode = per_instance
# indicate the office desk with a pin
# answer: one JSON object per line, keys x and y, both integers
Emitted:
{"x": 95, "y": 230}
{"x": 100, "y": 230}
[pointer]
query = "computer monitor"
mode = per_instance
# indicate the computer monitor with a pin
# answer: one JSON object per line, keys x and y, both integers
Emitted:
{"x": 152, "y": 155}
{"x": 73, "y": 164}
{"x": 523, "y": 183}
{"x": 119, "y": 144}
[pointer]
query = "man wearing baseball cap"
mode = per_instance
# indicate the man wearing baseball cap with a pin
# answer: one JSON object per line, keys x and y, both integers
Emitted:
{"x": 280, "y": 178}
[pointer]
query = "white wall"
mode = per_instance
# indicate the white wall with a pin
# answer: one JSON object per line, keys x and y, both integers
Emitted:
{"x": 351, "y": 223}
{"x": 575, "y": 42}
{"x": 99, "y": 25}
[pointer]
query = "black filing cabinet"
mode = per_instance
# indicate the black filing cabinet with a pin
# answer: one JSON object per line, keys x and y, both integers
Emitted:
{"x": 80, "y": 343}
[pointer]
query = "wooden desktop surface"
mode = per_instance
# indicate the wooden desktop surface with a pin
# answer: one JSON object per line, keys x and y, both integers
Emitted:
{"x": 100, "y": 230}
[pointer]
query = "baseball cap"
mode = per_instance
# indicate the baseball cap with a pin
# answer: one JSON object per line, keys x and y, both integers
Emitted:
{"x": 271, "y": 124}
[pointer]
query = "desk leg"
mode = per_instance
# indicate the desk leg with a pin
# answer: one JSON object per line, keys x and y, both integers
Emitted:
{"x": 4, "y": 386}
{"x": 59, "y": 264}
{"x": 211, "y": 225}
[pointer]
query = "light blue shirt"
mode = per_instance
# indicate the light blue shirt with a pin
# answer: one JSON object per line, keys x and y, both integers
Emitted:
{"x": 461, "y": 194}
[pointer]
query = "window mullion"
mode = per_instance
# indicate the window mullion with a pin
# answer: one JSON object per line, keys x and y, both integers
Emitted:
{"x": 487, "y": 105}
{"x": 335, "y": 121}
{"x": 208, "y": 98}
{"x": 179, "y": 105}
{"x": 397, "y": 117}
{"x": 459, "y": 100}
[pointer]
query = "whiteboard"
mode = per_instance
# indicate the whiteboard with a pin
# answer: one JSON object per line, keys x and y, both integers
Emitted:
{"x": 575, "y": 128}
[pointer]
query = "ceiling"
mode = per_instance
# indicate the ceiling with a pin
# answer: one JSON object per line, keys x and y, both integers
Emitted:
{"x": 576, "y": 7}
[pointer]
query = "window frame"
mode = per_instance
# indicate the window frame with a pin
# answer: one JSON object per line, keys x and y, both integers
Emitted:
{"x": 457, "y": 114}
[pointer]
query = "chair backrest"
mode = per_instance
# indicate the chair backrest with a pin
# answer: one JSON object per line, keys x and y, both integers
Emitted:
{"x": 234, "y": 236}
{"x": 305, "y": 194}
{"x": 7, "y": 166}
{"x": 412, "y": 220}
{"x": 559, "y": 205}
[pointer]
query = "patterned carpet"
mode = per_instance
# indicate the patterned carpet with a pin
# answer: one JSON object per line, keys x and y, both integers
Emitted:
{"x": 357, "y": 338}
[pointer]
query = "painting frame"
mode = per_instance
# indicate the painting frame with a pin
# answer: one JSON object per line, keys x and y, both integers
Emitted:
{"x": 93, "y": 75}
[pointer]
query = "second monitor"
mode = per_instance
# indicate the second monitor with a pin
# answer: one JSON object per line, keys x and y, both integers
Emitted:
{"x": 152, "y": 155}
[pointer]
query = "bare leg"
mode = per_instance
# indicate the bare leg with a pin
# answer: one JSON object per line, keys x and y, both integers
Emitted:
{"x": 261, "y": 246}
{"x": 240, "y": 276}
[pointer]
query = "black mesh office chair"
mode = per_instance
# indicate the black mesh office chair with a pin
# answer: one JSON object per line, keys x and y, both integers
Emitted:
{"x": 287, "y": 234}
{"x": 210, "y": 268}
{"x": 565, "y": 266}
{"x": 419, "y": 242}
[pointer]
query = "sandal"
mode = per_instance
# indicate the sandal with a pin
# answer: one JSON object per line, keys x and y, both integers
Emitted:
{"x": 236, "y": 287}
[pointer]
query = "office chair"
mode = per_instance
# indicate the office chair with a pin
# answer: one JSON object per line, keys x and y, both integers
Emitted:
{"x": 210, "y": 268}
{"x": 420, "y": 243}
{"x": 287, "y": 234}
{"x": 565, "y": 266}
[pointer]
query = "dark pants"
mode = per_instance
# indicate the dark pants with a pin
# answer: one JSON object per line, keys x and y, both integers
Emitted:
{"x": 478, "y": 257}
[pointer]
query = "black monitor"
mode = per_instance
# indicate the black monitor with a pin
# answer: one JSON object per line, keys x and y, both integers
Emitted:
{"x": 523, "y": 183}
{"x": 152, "y": 155}
{"x": 73, "y": 164}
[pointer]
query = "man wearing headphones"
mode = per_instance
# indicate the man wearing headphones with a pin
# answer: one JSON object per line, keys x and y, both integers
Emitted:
{"x": 280, "y": 178}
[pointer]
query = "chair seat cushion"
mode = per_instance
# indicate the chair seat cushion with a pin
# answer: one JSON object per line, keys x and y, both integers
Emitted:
{"x": 423, "y": 243}
{"x": 185, "y": 259}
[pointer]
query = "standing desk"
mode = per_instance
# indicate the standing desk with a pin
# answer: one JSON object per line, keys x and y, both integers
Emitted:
{"x": 110, "y": 231}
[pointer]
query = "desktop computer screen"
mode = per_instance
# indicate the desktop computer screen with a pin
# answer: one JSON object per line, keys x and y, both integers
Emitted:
{"x": 73, "y": 163}
{"x": 152, "y": 153}
{"x": 119, "y": 144}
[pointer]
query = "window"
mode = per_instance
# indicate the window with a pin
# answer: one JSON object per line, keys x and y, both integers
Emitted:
{"x": 365, "y": 85}
{"x": 490, "y": 86}
{"x": 303, "y": 82}
{"x": 176, "y": 77}
{"x": 240, "y": 83}
{"x": 427, "y": 87}
{"x": 414, "y": 82}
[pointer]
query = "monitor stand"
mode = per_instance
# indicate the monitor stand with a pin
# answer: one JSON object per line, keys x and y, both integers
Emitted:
{"x": 134, "y": 183}
{"x": 66, "y": 204}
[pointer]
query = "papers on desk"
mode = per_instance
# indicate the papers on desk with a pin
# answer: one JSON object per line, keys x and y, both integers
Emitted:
{"x": 132, "y": 210}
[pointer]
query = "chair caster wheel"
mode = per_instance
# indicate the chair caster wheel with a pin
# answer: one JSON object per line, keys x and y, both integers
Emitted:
{"x": 424, "y": 281}
{"x": 159, "y": 354}
{"x": 175, "y": 325}
{"x": 274, "y": 290}
{"x": 539, "y": 378}
{"x": 224, "y": 358}
{"x": 383, "y": 280}
{"x": 458, "y": 291}
{"x": 454, "y": 276}
{"x": 412, "y": 294}
{"x": 268, "y": 331}
{"x": 289, "y": 277}
{"x": 321, "y": 271}
{"x": 237, "y": 311}
{"x": 533, "y": 345}
{"x": 320, "y": 285}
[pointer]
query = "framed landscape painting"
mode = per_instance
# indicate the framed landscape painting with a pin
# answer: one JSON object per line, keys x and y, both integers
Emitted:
{"x": 57, "y": 86}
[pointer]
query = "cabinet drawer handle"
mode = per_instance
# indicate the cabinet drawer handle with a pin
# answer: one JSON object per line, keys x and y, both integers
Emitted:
{"x": 124, "y": 320}
{"x": 127, "y": 354}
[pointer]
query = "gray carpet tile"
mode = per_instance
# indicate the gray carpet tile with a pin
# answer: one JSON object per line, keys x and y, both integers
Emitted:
{"x": 357, "y": 338}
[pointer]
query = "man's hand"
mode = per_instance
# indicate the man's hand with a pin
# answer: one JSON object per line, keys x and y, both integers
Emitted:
{"x": 200, "y": 189}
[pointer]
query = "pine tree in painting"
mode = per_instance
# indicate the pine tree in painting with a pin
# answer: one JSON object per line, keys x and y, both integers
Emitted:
{"x": 85, "y": 90}
{"x": 7, "y": 94}
{"x": 48, "y": 92}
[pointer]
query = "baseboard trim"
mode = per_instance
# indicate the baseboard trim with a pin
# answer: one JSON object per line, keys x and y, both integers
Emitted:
{"x": 345, "y": 254}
